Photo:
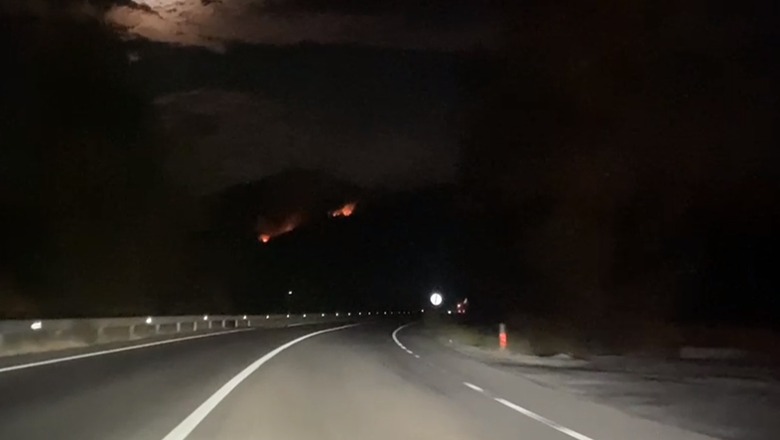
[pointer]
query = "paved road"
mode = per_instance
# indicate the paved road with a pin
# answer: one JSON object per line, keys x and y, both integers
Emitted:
{"x": 352, "y": 383}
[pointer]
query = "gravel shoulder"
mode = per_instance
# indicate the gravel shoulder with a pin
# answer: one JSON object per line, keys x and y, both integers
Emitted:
{"x": 730, "y": 400}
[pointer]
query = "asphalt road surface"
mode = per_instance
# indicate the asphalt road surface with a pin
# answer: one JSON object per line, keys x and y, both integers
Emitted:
{"x": 370, "y": 381}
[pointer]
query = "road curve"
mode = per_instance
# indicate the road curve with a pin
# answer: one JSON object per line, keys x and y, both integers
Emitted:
{"x": 371, "y": 381}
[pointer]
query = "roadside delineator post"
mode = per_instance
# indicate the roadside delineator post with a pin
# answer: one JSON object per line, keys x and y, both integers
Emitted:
{"x": 502, "y": 336}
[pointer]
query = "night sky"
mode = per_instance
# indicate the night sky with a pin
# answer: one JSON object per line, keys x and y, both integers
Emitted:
{"x": 604, "y": 162}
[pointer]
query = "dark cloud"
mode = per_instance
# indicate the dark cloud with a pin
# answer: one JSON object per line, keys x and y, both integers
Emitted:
{"x": 217, "y": 24}
{"x": 374, "y": 117}
{"x": 438, "y": 13}
{"x": 225, "y": 137}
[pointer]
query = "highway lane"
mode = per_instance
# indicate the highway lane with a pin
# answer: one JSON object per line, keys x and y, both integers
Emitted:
{"x": 351, "y": 383}
{"x": 361, "y": 383}
{"x": 136, "y": 394}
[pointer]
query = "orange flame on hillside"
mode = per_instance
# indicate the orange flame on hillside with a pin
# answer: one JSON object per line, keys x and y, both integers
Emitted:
{"x": 265, "y": 235}
{"x": 344, "y": 211}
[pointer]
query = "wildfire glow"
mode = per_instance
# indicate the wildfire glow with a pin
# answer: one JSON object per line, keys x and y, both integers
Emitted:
{"x": 267, "y": 232}
{"x": 344, "y": 211}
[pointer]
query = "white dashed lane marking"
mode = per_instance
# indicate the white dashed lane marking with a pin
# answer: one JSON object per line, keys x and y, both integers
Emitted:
{"x": 474, "y": 387}
{"x": 544, "y": 420}
{"x": 398, "y": 343}
{"x": 528, "y": 413}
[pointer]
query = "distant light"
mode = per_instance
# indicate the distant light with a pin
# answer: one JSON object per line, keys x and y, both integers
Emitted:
{"x": 245, "y": 317}
{"x": 348, "y": 314}
{"x": 288, "y": 315}
{"x": 268, "y": 316}
{"x": 337, "y": 313}
{"x": 436, "y": 299}
{"x": 422, "y": 310}
{"x": 385, "y": 313}
{"x": 148, "y": 319}
{"x": 323, "y": 314}
{"x": 360, "y": 313}
{"x": 37, "y": 325}
{"x": 205, "y": 317}
{"x": 449, "y": 312}
{"x": 304, "y": 315}
{"x": 290, "y": 292}
{"x": 369, "y": 313}
{"x": 264, "y": 238}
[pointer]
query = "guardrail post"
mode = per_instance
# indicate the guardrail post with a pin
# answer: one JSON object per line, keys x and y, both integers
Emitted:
{"x": 132, "y": 331}
{"x": 249, "y": 323}
{"x": 223, "y": 323}
{"x": 178, "y": 327}
{"x": 209, "y": 324}
{"x": 99, "y": 335}
{"x": 156, "y": 328}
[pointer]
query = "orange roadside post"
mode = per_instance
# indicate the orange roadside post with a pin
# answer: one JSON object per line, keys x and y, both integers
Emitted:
{"x": 502, "y": 336}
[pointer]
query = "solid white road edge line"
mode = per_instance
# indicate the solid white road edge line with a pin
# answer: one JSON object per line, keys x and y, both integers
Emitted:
{"x": 546, "y": 421}
{"x": 302, "y": 324}
{"x": 187, "y": 425}
{"x": 115, "y": 350}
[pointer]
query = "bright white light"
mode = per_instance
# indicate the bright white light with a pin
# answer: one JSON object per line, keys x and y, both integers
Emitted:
{"x": 268, "y": 316}
{"x": 245, "y": 317}
{"x": 304, "y": 315}
{"x": 148, "y": 319}
{"x": 369, "y": 313}
{"x": 422, "y": 310}
{"x": 360, "y": 313}
{"x": 337, "y": 313}
{"x": 288, "y": 315}
{"x": 348, "y": 314}
{"x": 385, "y": 313}
{"x": 205, "y": 317}
{"x": 436, "y": 299}
{"x": 290, "y": 292}
{"x": 37, "y": 325}
{"x": 449, "y": 312}
{"x": 323, "y": 314}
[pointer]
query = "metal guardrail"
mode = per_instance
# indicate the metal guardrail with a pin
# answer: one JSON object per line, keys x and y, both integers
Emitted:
{"x": 18, "y": 336}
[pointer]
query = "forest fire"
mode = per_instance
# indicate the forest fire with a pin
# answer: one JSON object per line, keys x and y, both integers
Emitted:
{"x": 265, "y": 235}
{"x": 344, "y": 211}
{"x": 268, "y": 230}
